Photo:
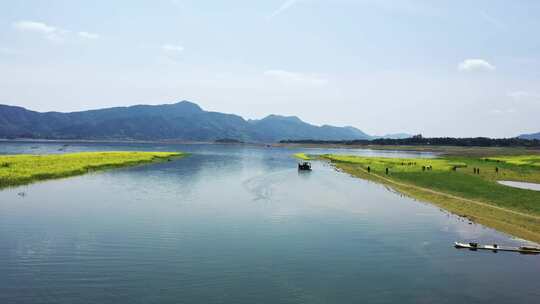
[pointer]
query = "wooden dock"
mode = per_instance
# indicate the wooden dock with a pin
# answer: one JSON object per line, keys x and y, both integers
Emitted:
{"x": 496, "y": 248}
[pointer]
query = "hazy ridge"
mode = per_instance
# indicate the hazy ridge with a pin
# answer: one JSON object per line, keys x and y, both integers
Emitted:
{"x": 179, "y": 121}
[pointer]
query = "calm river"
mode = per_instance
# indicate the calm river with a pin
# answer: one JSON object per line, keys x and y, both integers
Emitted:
{"x": 240, "y": 224}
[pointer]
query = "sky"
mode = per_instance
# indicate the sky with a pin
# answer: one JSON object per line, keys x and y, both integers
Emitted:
{"x": 439, "y": 68}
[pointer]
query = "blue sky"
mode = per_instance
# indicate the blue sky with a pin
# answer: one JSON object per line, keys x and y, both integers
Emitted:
{"x": 440, "y": 68}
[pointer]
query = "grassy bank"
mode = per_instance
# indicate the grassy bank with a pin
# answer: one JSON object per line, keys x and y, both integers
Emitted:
{"x": 302, "y": 156}
{"x": 451, "y": 183}
{"x": 24, "y": 169}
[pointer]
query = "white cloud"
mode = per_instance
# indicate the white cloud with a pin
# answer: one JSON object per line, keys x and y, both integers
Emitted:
{"x": 469, "y": 65}
{"x": 296, "y": 78}
{"x": 172, "y": 48}
{"x": 284, "y": 6}
{"x": 50, "y": 32}
{"x": 34, "y": 26}
{"x": 87, "y": 35}
{"x": 523, "y": 95}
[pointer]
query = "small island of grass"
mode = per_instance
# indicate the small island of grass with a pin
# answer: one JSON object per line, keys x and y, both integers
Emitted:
{"x": 302, "y": 156}
{"x": 464, "y": 185}
{"x": 24, "y": 169}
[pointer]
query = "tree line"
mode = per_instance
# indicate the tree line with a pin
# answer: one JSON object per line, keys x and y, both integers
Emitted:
{"x": 419, "y": 140}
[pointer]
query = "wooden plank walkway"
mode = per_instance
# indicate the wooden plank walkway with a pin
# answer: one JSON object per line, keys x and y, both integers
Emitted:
{"x": 495, "y": 248}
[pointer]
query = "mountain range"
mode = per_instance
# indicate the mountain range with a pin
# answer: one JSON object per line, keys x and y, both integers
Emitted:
{"x": 530, "y": 136}
{"x": 179, "y": 121}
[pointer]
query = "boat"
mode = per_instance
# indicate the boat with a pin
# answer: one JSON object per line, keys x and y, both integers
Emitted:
{"x": 495, "y": 248}
{"x": 529, "y": 250}
{"x": 472, "y": 246}
{"x": 305, "y": 166}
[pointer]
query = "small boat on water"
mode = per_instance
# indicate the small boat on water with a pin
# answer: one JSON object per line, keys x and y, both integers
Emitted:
{"x": 495, "y": 248}
{"x": 305, "y": 166}
{"x": 527, "y": 249}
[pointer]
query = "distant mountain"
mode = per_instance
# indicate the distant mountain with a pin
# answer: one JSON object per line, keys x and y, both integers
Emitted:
{"x": 275, "y": 128}
{"x": 180, "y": 121}
{"x": 530, "y": 136}
{"x": 395, "y": 136}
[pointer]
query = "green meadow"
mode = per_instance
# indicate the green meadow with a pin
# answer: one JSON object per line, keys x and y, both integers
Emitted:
{"x": 464, "y": 185}
{"x": 24, "y": 169}
{"x": 524, "y": 160}
{"x": 302, "y": 156}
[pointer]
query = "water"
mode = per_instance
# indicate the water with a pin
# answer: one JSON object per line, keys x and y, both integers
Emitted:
{"x": 521, "y": 185}
{"x": 234, "y": 224}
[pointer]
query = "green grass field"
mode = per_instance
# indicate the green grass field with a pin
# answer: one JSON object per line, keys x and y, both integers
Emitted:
{"x": 23, "y": 169}
{"x": 445, "y": 186}
{"x": 523, "y": 160}
{"x": 302, "y": 156}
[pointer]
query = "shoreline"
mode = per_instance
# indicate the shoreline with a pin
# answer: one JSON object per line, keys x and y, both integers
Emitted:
{"x": 440, "y": 150}
{"x": 477, "y": 212}
{"x": 24, "y": 169}
{"x": 124, "y": 141}
{"x": 515, "y": 222}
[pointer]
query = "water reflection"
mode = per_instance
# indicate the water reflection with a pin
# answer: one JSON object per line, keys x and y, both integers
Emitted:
{"x": 241, "y": 225}
{"x": 521, "y": 185}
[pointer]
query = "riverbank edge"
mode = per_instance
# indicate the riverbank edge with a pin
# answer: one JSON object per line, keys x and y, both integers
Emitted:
{"x": 89, "y": 169}
{"x": 302, "y": 156}
{"x": 504, "y": 220}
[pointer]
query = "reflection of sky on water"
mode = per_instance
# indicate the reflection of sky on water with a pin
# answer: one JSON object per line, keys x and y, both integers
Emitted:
{"x": 521, "y": 185}
{"x": 240, "y": 224}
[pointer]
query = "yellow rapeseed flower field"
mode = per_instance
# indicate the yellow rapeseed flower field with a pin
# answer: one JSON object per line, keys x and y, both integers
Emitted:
{"x": 24, "y": 169}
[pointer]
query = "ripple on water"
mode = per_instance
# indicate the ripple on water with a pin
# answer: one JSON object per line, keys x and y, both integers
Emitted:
{"x": 239, "y": 224}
